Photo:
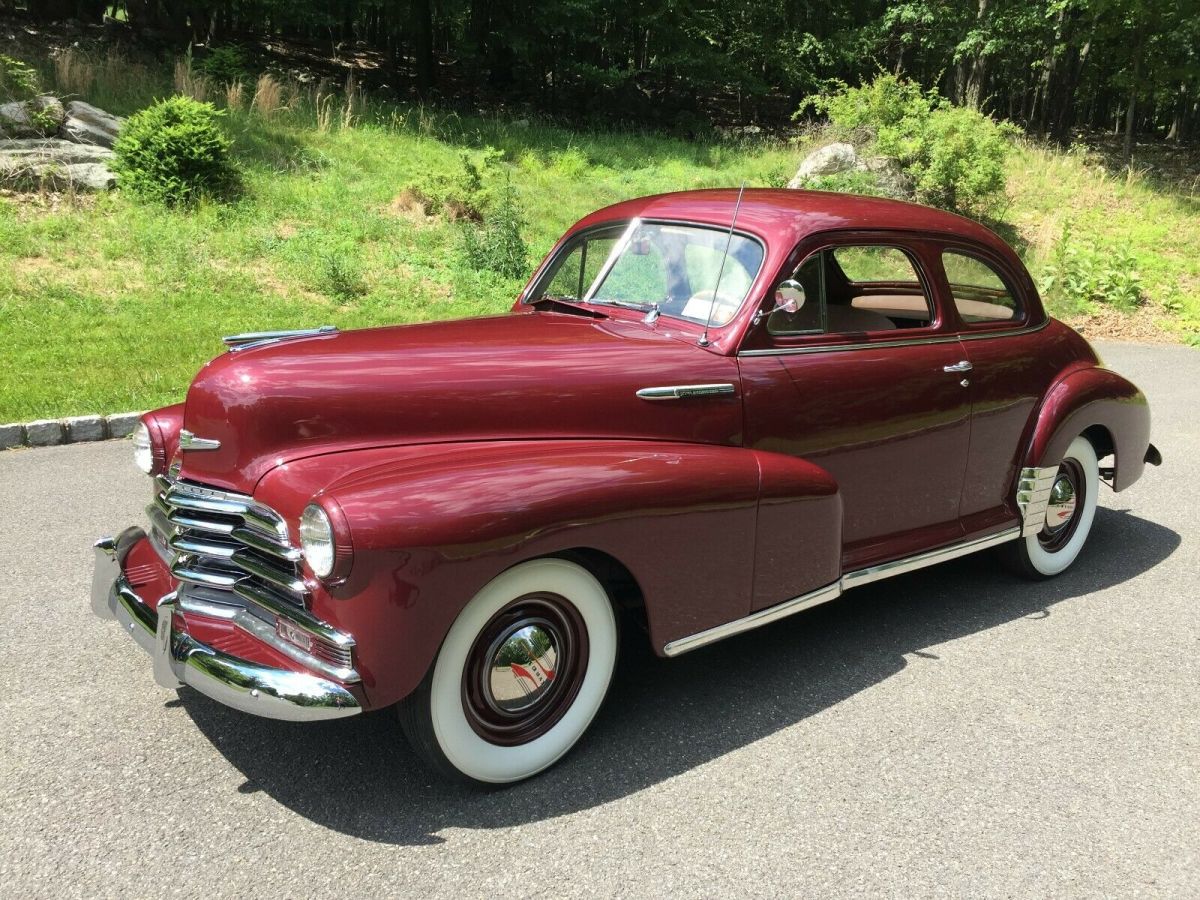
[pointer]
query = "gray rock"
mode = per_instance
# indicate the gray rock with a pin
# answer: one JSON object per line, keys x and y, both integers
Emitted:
{"x": 31, "y": 118}
{"x": 11, "y": 436}
{"x": 55, "y": 163}
{"x": 827, "y": 160}
{"x": 84, "y": 428}
{"x": 44, "y": 433}
{"x": 87, "y": 124}
{"x": 122, "y": 424}
{"x": 889, "y": 175}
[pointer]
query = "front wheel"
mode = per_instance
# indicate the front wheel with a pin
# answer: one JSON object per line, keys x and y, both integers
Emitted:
{"x": 519, "y": 677}
{"x": 1068, "y": 517}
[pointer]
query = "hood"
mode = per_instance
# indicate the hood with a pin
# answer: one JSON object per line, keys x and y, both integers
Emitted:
{"x": 513, "y": 377}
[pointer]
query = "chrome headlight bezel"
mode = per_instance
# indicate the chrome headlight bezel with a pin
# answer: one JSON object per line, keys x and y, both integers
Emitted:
{"x": 317, "y": 540}
{"x": 143, "y": 448}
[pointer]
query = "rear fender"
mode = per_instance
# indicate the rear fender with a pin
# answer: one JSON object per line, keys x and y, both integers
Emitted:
{"x": 1086, "y": 398}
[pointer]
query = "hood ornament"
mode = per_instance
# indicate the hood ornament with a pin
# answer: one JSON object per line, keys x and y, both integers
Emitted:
{"x": 189, "y": 441}
{"x": 250, "y": 339}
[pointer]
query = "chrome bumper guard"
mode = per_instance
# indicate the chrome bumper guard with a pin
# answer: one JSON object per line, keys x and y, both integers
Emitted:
{"x": 181, "y": 659}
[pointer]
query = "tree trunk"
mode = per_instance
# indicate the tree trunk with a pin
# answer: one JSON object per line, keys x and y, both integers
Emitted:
{"x": 977, "y": 72}
{"x": 1131, "y": 108}
{"x": 423, "y": 40}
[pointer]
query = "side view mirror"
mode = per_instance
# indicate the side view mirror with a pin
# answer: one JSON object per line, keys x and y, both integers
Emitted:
{"x": 789, "y": 296}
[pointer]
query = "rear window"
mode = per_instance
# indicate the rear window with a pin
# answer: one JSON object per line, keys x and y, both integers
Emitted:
{"x": 980, "y": 293}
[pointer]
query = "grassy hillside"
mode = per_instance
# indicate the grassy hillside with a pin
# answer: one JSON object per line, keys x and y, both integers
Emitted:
{"x": 107, "y": 304}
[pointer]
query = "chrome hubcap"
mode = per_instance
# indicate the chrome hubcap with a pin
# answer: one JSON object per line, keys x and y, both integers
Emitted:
{"x": 525, "y": 668}
{"x": 523, "y": 665}
{"x": 1062, "y": 504}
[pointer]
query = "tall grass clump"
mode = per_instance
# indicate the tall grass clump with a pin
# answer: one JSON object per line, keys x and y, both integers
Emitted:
{"x": 497, "y": 245}
{"x": 189, "y": 82}
{"x": 175, "y": 152}
{"x": 268, "y": 96}
{"x": 74, "y": 73}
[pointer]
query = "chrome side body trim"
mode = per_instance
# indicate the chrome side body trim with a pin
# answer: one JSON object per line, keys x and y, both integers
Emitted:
{"x": 189, "y": 441}
{"x": 250, "y": 339}
{"x": 835, "y": 590}
{"x": 1033, "y": 497}
{"x": 929, "y": 558}
{"x": 181, "y": 659}
{"x": 909, "y": 342}
{"x": 684, "y": 391}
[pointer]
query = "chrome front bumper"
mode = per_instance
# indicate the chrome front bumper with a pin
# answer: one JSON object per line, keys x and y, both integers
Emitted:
{"x": 181, "y": 659}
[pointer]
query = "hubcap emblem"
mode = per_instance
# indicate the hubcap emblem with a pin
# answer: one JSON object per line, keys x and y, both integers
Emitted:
{"x": 1062, "y": 503}
{"x": 522, "y": 669}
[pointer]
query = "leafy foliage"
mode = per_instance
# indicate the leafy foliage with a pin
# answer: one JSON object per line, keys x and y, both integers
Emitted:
{"x": 954, "y": 155}
{"x": 175, "y": 152}
{"x": 18, "y": 81}
{"x": 1079, "y": 274}
{"x": 225, "y": 64}
{"x": 498, "y": 246}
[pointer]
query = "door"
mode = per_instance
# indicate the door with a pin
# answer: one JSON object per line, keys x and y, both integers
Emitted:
{"x": 862, "y": 379}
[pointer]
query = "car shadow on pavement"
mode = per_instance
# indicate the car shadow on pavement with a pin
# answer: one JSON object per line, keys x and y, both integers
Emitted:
{"x": 665, "y": 717}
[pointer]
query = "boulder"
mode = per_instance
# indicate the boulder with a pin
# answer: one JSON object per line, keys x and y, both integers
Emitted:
{"x": 889, "y": 176}
{"x": 87, "y": 124}
{"x": 55, "y": 163}
{"x": 31, "y": 118}
{"x": 827, "y": 160}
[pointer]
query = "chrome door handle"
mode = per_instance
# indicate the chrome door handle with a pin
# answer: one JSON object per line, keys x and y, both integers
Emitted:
{"x": 963, "y": 366}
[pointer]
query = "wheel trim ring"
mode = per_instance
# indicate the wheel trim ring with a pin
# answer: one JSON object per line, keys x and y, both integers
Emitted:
{"x": 1054, "y": 539}
{"x": 513, "y": 728}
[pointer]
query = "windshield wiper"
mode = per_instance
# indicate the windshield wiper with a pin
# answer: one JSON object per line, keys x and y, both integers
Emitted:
{"x": 628, "y": 304}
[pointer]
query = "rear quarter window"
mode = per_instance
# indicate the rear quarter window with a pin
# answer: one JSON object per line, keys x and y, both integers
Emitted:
{"x": 980, "y": 293}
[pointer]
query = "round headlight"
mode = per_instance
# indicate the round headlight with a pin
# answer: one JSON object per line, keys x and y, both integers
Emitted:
{"x": 316, "y": 540}
{"x": 143, "y": 448}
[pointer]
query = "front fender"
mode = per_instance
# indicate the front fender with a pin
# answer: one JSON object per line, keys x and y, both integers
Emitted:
{"x": 1086, "y": 398}
{"x": 432, "y": 525}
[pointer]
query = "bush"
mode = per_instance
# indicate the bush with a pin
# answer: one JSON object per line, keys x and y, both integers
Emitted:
{"x": 1081, "y": 274}
{"x": 175, "y": 152}
{"x": 498, "y": 245}
{"x": 954, "y": 155}
{"x": 224, "y": 65}
{"x": 17, "y": 80}
{"x": 463, "y": 195}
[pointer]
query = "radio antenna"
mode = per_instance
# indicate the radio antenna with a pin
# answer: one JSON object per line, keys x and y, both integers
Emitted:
{"x": 721, "y": 271}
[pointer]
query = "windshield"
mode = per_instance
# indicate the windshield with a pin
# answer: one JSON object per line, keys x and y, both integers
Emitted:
{"x": 678, "y": 268}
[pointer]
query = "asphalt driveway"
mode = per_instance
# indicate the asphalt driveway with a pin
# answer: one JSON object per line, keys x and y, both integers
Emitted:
{"x": 954, "y": 731}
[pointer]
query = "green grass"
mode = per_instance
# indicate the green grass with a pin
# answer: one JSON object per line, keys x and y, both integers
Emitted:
{"x": 107, "y": 304}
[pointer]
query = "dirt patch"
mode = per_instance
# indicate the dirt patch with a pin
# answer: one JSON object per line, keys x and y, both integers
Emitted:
{"x": 412, "y": 204}
{"x": 1144, "y": 326}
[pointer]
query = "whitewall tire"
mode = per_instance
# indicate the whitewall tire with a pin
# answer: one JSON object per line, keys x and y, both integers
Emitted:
{"x": 1069, "y": 517}
{"x": 519, "y": 677}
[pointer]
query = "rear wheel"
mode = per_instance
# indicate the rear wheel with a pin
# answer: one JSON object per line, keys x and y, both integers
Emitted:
{"x": 519, "y": 677}
{"x": 1068, "y": 518}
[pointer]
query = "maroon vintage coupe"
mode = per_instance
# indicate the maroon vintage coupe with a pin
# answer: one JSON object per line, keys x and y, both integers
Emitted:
{"x": 711, "y": 409}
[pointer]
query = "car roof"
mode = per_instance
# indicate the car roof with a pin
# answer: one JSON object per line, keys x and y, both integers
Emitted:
{"x": 791, "y": 214}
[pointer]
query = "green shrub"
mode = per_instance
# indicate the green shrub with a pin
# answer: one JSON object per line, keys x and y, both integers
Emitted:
{"x": 175, "y": 152}
{"x": 224, "y": 65}
{"x": 497, "y": 245}
{"x": 954, "y": 155}
{"x": 18, "y": 81}
{"x": 465, "y": 194}
{"x": 340, "y": 277}
{"x": 1081, "y": 274}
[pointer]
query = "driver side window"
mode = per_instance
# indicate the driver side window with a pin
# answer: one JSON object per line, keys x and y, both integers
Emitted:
{"x": 851, "y": 289}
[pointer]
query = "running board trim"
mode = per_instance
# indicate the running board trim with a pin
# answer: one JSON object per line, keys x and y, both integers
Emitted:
{"x": 833, "y": 591}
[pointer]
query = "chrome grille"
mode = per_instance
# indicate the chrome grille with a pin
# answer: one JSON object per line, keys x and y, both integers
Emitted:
{"x": 234, "y": 560}
{"x": 225, "y": 540}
